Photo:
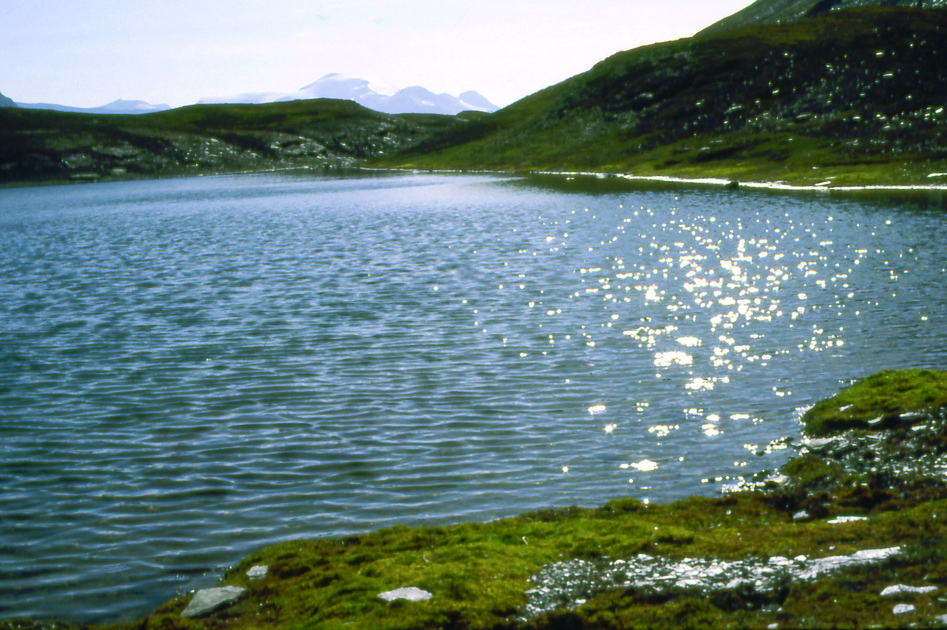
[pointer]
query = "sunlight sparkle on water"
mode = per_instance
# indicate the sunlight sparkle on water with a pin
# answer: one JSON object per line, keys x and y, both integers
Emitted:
{"x": 667, "y": 359}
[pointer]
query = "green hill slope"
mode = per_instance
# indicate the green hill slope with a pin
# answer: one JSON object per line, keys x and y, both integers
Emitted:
{"x": 855, "y": 95}
{"x": 781, "y": 11}
{"x": 37, "y": 145}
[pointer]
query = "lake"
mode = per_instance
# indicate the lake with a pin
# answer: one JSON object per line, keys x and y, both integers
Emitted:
{"x": 191, "y": 369}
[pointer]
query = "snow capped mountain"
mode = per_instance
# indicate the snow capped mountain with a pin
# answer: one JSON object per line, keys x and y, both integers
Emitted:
{"x": 375, "y": 95}
{"x": 121, "y": 106}
{"x": 335, "y": 85}
{"x": 249, "y": 98}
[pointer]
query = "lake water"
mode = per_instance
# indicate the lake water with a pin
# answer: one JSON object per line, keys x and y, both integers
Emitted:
{"x": 191, "y": 369}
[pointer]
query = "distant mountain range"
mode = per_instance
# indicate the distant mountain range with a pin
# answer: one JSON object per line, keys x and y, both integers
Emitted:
{"x": 115, "y": 107}
{"x": 373, "y": 95}
{"x": 376, "y": 96}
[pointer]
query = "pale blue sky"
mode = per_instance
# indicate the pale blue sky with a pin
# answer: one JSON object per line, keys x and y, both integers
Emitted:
{"x": 90, "y": 52}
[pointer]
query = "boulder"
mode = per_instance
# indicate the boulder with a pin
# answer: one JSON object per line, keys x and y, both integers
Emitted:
{"x": 410, "y": 593}
{"x": 210, "y": 599}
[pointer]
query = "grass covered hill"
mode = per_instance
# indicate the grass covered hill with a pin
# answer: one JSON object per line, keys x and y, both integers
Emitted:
{"x": 39, "y": 145}
{"x": 853, "y": 96}
{"x": 781, "y": 11}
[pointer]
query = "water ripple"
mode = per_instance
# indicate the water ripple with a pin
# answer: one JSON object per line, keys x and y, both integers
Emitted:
{"x": 190, "y": 369}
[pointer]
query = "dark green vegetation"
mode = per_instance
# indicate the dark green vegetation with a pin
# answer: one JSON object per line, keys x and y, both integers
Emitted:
{"x": 48, "y": 146}
{"x": 848, "y": 97}
{"x": 479, "y": 574}
{"x": 781, "y": 11}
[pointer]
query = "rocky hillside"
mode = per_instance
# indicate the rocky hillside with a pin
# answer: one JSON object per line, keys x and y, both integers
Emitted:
{"x": 853, "y": 95}
{"x": 780, "y": 11}
{"x": 38, "y": 146}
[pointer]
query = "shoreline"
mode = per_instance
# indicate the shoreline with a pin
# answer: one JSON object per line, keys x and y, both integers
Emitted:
{"x": 822, "y": 544}
{"x": 935, "y": 192}
{"x": 824, "y": 187}
{"x": 718, "y": 182}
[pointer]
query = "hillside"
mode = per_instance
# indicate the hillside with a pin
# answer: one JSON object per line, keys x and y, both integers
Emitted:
{"x": 780, "y": 11}
{"x": 46, "y": 146}
{"x": 851, "y": 96}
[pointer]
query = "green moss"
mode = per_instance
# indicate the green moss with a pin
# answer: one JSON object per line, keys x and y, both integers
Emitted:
{"x": 878, "y": 399}
{"x": 478, "y": 573}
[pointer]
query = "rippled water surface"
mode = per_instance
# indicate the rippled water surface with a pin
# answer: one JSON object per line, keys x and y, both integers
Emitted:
{"x": 191, "y": 369}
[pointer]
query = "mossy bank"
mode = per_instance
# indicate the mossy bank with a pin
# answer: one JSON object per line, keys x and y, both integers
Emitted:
{"x": 849, "y": 533}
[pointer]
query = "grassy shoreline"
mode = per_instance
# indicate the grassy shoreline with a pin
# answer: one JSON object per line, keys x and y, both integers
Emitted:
{"x": 849, "y": 533}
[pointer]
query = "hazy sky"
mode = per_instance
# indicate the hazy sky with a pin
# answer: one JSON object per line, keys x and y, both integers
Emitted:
{"x": 90, "y": 52}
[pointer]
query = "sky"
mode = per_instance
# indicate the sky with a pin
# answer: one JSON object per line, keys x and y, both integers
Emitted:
{"x": 86, "y": 53}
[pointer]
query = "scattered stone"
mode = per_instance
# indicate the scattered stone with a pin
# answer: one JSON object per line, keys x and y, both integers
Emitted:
{"x": 901, "y": 589}
{"x": 210, "y": 599}
{"x": 258, "y": 572}
{"x": 566, "y": 584}
{"x": 846, "y": 519}
{"x": 900, "y": 609}
{"x": 410, "y": 593}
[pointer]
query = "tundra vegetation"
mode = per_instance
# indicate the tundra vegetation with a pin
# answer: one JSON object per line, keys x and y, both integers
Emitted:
{"x": 849, "y": 533}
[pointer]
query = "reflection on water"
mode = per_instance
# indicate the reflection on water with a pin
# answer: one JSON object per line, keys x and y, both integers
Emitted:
{"x": 190, "y": 369}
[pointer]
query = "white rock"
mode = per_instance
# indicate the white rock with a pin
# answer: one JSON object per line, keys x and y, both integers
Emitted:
{"x": 258, "y": 572}
{"x": 902, "y": 589}
{"x": 846, "y": 519}
{"x": 833, "y": 563}
{"x": 900, "y": 609}
{"x": 867, "y": 555}
{"x": 410, "y": 593}
{"x": 208, "y": 599}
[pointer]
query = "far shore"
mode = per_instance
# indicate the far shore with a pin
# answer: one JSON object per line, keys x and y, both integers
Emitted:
{"x": 824, "y": 187}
